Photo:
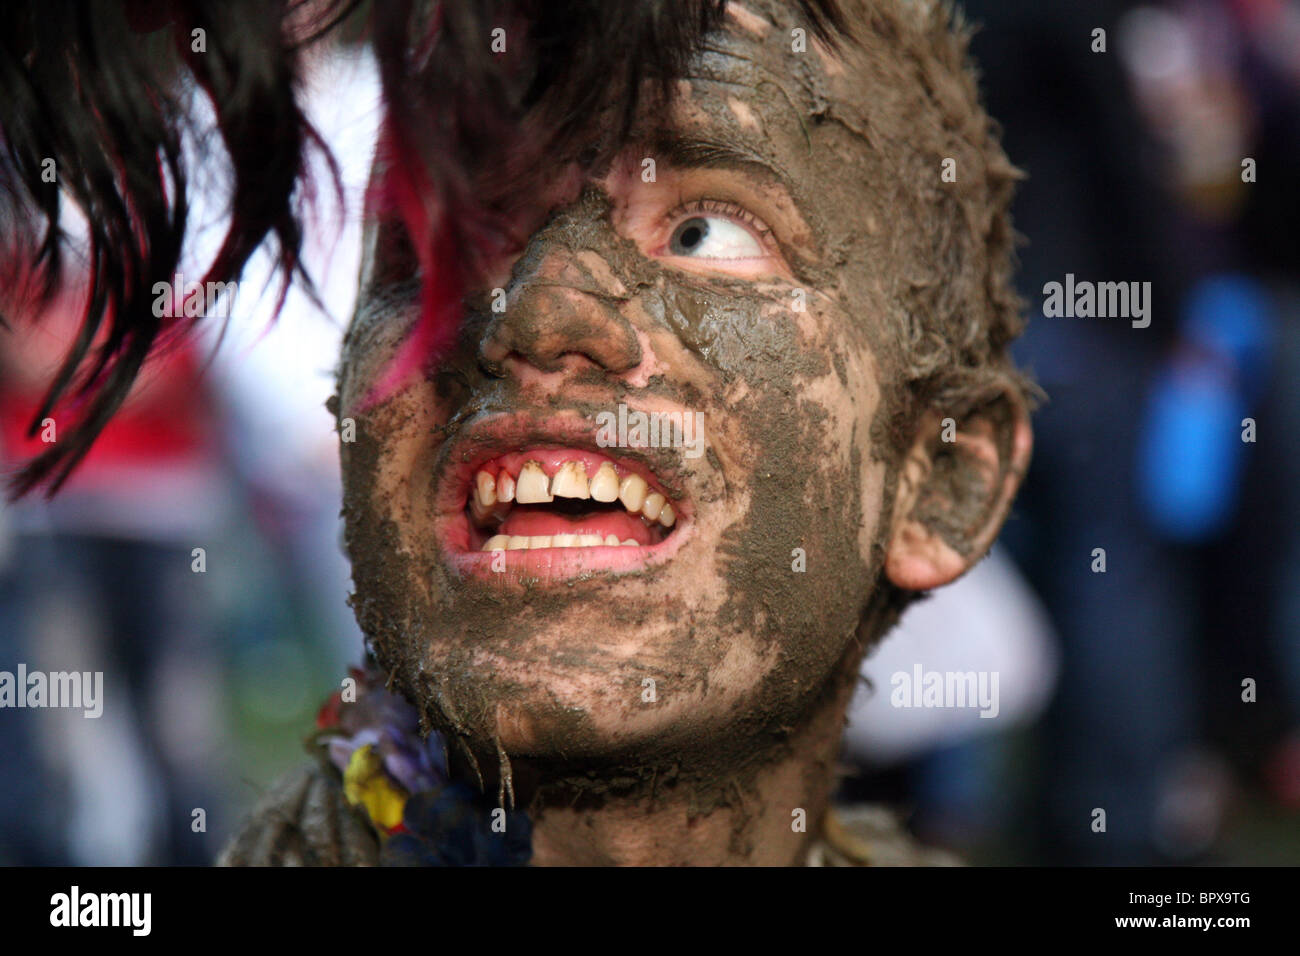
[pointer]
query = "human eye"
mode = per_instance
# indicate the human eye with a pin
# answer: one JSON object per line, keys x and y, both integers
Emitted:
{"x": 715, "y": 229}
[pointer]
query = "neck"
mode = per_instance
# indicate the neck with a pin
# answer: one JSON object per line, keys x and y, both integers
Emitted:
{"x": 748, "y": 818}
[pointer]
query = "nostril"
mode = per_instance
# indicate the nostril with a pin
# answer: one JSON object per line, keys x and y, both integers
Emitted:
{"x": 493, "y": 354}
{"x": 544, "y": 324}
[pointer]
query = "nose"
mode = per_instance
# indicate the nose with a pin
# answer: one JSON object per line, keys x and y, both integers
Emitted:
{"x": 562, "y": 306}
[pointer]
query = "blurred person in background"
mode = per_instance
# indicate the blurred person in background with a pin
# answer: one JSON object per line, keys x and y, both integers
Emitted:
{"x": 1134, "y": 153}
{"x": 226, "y": 448}
{"x": 1218, "y": 87}
{"x": 101, "y": 578}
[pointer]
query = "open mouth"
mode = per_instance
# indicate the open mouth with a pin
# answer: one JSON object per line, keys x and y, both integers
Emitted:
{"x": 534, "y": 500}
{"x": 543, "y": 499}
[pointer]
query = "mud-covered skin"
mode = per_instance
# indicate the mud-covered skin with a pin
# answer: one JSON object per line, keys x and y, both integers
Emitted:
{"x": 805, "y": 416}
{"x": 725, "y": 604}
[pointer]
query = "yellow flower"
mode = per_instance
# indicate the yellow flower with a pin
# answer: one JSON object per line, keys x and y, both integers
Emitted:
{"x": 365, "y": 784}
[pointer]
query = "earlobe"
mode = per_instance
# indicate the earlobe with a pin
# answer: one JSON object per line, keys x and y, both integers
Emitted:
{"x": 919, "y": 560}
{"x": 953, "y": 495}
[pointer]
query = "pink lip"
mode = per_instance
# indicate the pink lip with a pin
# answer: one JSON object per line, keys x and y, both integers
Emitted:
{"x": 513, "y": 439}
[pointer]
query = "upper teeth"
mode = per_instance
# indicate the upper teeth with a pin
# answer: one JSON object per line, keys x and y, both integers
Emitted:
{"x": 604, "y": 484}
{"x": 485, "y": 487}
{"x": 570, "y": 481}
{"x": 532, "y": 487}
{"x": 654, "y": 503}
{"x": 494, "y": 495}
{"x": 632, "y": 492}
{"x": 505, "y": 487}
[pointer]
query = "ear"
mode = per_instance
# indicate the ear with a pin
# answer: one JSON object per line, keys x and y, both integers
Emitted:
{"x": 955, "y": 488}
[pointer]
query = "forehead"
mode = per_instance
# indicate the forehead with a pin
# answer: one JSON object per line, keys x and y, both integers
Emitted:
{"x": 773, "y": 70}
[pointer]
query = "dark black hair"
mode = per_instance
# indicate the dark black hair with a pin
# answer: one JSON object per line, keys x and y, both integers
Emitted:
{"x": 100, "y": 90}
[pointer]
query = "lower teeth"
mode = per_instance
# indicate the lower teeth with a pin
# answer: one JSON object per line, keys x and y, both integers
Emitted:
{"x": 506, "y": 542}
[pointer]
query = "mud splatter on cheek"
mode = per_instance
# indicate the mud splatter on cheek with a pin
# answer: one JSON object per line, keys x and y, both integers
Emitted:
{"x": 805, "y": 486}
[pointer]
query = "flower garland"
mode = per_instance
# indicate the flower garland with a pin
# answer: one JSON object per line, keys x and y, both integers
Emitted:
{"x": 400, "y": 780}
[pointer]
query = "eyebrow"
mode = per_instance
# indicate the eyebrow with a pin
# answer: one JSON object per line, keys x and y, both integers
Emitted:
{"x": 693, "y": 152}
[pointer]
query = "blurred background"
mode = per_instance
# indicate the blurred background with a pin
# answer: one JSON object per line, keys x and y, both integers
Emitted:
{"x": 1120, "y": 689}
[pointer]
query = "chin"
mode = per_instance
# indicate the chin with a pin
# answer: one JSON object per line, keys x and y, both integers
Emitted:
{"x": 657, "y": 696}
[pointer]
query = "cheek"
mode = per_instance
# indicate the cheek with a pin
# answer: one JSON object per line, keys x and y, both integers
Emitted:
{"x": 834, "y": 413}
{"x": 815, "y": 489}
{"x": 852, "y": 395}
{"x": 387, "y": 469}
{"x": 396, "y": 433}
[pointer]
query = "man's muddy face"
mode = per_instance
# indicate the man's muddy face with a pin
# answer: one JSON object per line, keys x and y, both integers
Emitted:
{"x": 548, "y": 593}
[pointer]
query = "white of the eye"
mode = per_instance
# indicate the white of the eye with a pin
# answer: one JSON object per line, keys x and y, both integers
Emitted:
{"x": 726, "y": 240}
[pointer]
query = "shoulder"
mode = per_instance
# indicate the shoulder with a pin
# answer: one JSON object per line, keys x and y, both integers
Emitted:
{"x": 869, "y": 835}
{"x": 303, "y": 820}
